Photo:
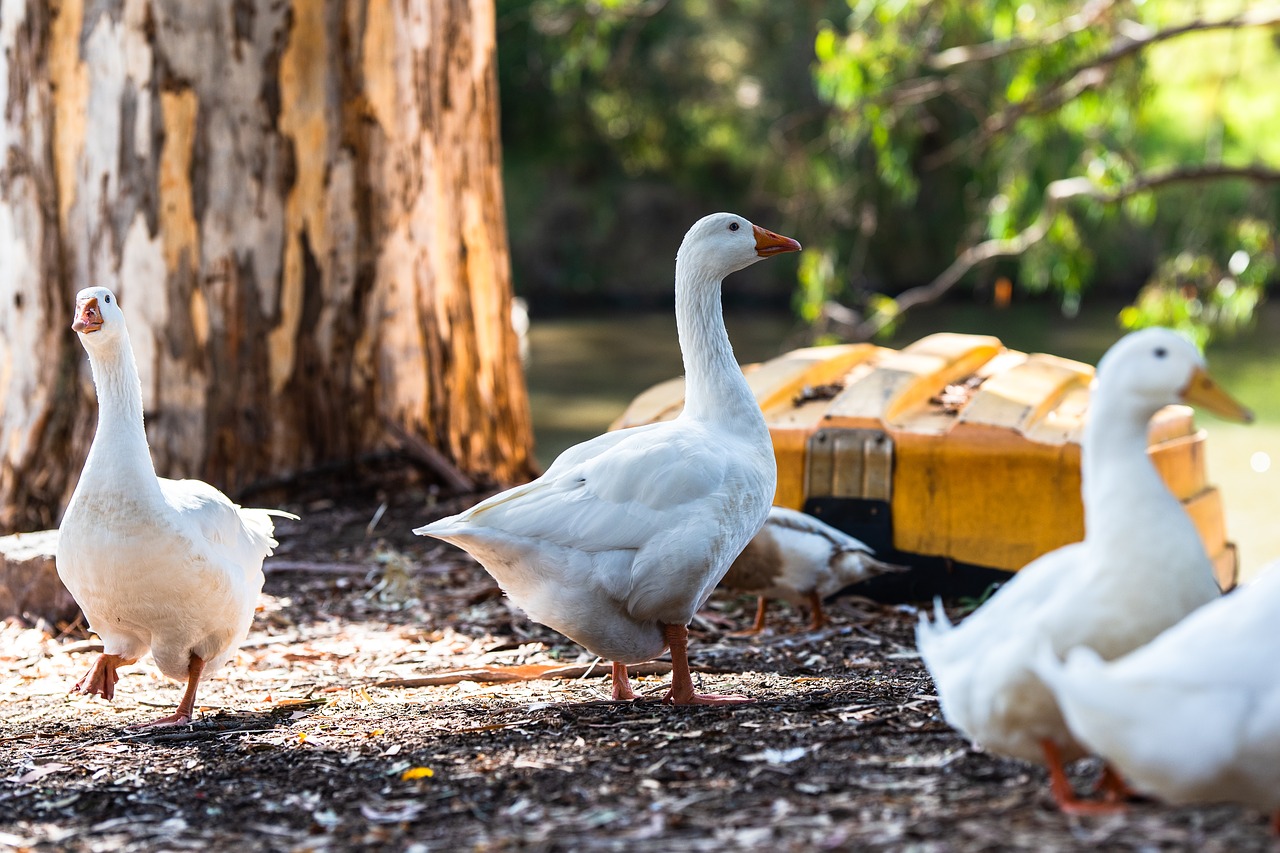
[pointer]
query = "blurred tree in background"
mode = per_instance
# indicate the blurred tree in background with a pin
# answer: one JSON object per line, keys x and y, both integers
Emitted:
{"x": 912, "y": 146}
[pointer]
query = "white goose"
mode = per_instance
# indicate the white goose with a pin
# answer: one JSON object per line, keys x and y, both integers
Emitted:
{"x": 1194, "y": 715}
{"x": 801, "y": 560}
{"x": 626, "y": 535}
{"x": 1140, "y": 569}
{"x": 167, "y": 565}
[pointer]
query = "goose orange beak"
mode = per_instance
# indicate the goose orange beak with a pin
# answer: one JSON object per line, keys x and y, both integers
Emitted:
{"x": 1202, "y": 391}
{"x": 88, "y": 316}
{"x": 768, "y": 243}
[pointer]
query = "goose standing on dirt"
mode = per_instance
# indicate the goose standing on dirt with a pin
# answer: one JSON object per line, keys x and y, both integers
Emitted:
{"x": 1194, "y": 715}
{"x": 801, "y": 560}
{"x": 167, "y": 565}
{"x": 1140, "y": 569}
{"x": 626, "y": 535}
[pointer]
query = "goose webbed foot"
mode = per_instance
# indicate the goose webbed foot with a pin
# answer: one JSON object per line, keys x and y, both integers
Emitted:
{"x": 682, "y": 692}
{"x": 186, "y": 706}
{"x": 101, "y": 678}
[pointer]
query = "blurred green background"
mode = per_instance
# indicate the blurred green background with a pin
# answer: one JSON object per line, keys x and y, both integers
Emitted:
{"x": 889, "y": 137}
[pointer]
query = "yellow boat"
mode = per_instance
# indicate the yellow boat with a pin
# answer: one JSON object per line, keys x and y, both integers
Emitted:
{"x": 955, "y": 455}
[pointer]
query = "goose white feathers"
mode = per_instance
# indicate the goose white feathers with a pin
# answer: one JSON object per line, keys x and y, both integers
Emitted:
{"x": 172, "y": 566}
{"x": 1194, "y": 715}
{"x": 801, "y": 560}
{"x": 1140, "y": 569}
{"x": 626, "y": 535}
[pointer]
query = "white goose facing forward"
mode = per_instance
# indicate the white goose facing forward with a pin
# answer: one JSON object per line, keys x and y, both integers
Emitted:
{"x": 626, "y": 535}
{"x": 1141, "y": 568}
{"x": 167, "y": 565}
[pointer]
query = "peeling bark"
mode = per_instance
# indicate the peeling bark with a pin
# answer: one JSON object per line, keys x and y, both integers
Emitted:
{"x": 41, "y": 394}
{"x": 299, "y": 205}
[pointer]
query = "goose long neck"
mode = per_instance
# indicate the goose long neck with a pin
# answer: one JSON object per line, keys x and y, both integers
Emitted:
{"x": 119, "y": 454}
{"x": 1115, "y": 466}
{"x": 715, "y": 389}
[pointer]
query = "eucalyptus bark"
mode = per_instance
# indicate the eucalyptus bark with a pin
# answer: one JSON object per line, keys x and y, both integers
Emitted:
{"x": 299, "y": 207}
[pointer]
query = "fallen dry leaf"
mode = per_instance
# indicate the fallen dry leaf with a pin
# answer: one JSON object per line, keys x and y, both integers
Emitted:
{"x": 38, "y": 773}
{"x": 417, "y": 773}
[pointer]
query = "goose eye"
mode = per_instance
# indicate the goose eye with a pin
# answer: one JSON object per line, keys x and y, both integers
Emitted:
{"x": 733, "y": 226}
{"x": 106, "y": 298}
{"x": 1161, "y": 352}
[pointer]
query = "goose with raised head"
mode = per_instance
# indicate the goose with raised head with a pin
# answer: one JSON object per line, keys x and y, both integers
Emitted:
{"x": 1140, "y": 569}
{"x": 801, "y": 560}
{"x": 1194, "y": 715}
{"x": 170, "y": 566}
{"x": 625, "y": 536}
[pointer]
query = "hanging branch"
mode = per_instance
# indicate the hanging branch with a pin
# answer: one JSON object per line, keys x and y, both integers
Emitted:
{"x": 1056, "y": 195}
{"x": 968, "y": 54}
{"x": 1090, "y": 74}
{"x": 920, "y": 89}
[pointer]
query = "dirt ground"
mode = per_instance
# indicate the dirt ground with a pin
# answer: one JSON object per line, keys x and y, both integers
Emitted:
{"x": 355, "y": 718}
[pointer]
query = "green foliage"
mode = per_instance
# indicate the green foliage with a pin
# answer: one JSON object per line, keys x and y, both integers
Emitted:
{"x": 982, "y": 133}
{"x": 968, "y": 603}
{"x": 1195, "y": 294}
{"x": 665, "y": 88}
{"x": 1061, "y": 262}
{"x": 895, "y": 134}
{"x": 817, "y": 283}
{"x": 623, "y": 119}
{"x": 999, "y": 100}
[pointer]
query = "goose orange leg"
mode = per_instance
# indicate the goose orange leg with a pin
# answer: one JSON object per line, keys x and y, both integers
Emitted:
{"x": 622, "y": 683}
{"x": 1063, "y": 794}
{"x": 101, "y": 678}
{"x": 187, "y": 705}
{"x": 817, "y": 616}
{"x": 762, "y": 605}
{"x": 681, "y": 692}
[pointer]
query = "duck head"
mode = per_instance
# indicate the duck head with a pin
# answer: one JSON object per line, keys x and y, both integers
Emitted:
{"x": 723, "y": 243}
{"x": 1159, "y": 367}
{"x": 98, "y": 318}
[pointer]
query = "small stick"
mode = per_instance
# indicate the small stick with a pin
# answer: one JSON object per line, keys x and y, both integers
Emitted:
{"x": 529, "y": 672}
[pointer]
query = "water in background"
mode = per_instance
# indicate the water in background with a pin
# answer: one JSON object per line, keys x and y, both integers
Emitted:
{"x": 583, "y": 372}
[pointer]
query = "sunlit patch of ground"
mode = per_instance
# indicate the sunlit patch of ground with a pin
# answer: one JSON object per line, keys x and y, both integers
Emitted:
{"x": 297, "y": 747}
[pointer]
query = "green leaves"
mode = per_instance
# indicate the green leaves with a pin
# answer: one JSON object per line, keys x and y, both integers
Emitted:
{"x": 985, "y": 105}
{"x": 897, "y": 134}
{"x": 1202, "y": 297}
{"x": 817, "y": 283}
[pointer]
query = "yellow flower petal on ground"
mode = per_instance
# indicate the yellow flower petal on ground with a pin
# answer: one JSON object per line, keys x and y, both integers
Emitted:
{"x": 417, "y": 773}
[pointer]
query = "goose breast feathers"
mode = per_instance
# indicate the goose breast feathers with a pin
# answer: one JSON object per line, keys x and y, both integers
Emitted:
{"x": 1140, "y": 568}
{"x": 173, "y": 566}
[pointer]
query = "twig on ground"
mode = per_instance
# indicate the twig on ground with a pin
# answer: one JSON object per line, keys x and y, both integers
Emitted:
{"x": 527, "y": 672}
{"x": 430, "y": 458}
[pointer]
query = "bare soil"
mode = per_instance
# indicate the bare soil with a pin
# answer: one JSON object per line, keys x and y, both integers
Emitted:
{"x": 355, "y": 718}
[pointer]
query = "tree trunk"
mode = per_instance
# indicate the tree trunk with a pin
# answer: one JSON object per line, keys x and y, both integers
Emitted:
{"x": 299, "y": 206}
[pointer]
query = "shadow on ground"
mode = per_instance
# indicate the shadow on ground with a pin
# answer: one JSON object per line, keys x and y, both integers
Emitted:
{"x": 306, "y": 742}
